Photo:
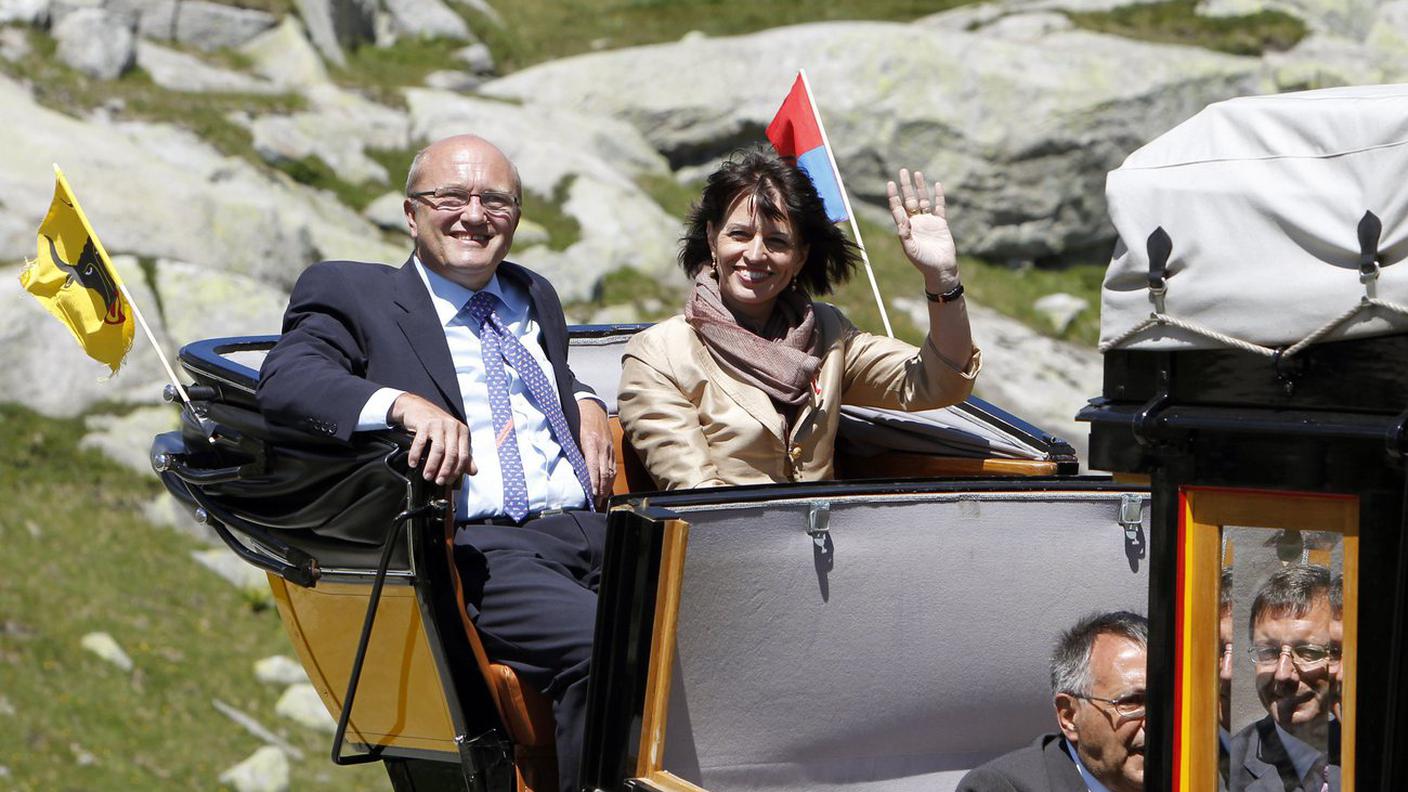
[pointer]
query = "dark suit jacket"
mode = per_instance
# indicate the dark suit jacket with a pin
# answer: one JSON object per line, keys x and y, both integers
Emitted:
{"x": 1042, "y": 766}
{"x": 1258, "y": 762}
{"x": 352, "y": 328}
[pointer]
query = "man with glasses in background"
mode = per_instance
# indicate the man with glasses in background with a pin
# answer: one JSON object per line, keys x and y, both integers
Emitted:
{"x": 1097, "y": 690}
{"x": 468, "y": 353}
{"x": 1293, "y": 650}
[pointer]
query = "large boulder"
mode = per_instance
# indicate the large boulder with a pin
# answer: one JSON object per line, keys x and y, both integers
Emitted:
{"x": 336, "y": 25}
{"x": 178, "y": 71}
{"x": 158, "y": 192}
{"x": 285, "y": 56}
{"x": 96, "y": 43}
{"x": 1021, "y": 132}
{"x": 1350, "y": 19}
{"x": 210, "y": 26}
{"x": 338, "y": 128}
{"x": 43, "y": 368}
{"x": 597, "y": 158}
{"x": 24, "y": 12}
{"x": 427, "y": 19}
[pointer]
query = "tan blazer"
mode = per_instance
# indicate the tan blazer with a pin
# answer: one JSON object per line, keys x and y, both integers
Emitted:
{"x": 694, "y": 425}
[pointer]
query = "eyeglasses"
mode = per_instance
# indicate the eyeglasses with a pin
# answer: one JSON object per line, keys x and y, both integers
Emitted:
{"x": 453, "y": 199}
{"x": 1303, "y": 656}
{"x": 1128, "y": 707}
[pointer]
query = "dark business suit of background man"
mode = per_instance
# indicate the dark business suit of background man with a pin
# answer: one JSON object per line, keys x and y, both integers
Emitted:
{"x": 366, "y": 346}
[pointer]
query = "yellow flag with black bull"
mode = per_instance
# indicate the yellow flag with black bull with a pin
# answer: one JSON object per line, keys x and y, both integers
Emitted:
{"x": 75, "y": 281}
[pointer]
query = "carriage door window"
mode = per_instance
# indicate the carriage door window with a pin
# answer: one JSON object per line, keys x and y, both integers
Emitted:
{"x": 1267, "y": 593}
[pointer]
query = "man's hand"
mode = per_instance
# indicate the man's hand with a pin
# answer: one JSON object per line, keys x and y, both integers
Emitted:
{"x": 597, "y": 448}
{"x": 443, "y": 440}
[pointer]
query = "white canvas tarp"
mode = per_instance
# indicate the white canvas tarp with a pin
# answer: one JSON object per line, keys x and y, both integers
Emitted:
{"x": 1262, "y": 199}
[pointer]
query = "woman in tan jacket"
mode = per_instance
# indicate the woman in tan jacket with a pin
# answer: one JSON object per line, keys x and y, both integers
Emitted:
{"x": 745, "y": 387}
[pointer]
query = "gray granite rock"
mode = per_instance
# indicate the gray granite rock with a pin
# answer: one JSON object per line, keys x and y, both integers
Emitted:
{"x": 1061, "y": 309}
{"x": 1350, "y": 19}
{"x": 210, "y": 26}
{"x": 266, "y": 770}
{"x": 388, "y": 212}
{"x": 96, "y": 43}
{"x": 14, "y": 44}
{"x": 24, "y": 12}
{"x": 335, "y": 26}
{"x": 477, "y": 58}
{"x": 178, "y": 71}
{"x": 1022, "y": 151}
{"x": 600, "y": 160}
{"x": 338, "y": 128}
{"x": 1043, "y": 380}
{"x": 107, "y": 648}
{"x": 250, "y": 580}
{"x": 280, "y": 670}
{"x": 448, "y": 80}
{"x": 300, "y": 703}
{"x": 256, "y": 729}
{"x": 283, "y": 55}
{"x": 427, "y": 19}
{"x": 126, "y": 438}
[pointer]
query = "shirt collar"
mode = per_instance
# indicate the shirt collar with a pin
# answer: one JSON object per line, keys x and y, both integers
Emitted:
{"x": 448, "y": 297}
{"x": 1091, "y": 782}
{"x": 1302, "y": 755}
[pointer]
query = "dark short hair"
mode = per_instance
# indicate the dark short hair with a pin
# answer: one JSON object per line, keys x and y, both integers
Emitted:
{"x": 759, "y": 172}
{"x": 1070, "y": 661}
{"x": 1224, "y": 591}
{"x": 1291, "y": 591}
{"x": 1337, "y": 597}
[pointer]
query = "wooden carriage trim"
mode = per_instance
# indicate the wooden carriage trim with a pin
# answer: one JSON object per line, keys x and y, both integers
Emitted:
{"x": 665, "y": 781}
{"x": 1204, "y": 512}
{"x": 662, "y": 657}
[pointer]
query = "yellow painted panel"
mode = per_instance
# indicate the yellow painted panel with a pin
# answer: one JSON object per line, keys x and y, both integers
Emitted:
{"x": 1208, "y": 511}
{"x": 400, "y": 701}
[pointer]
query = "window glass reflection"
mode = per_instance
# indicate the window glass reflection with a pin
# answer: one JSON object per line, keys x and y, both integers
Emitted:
{"x": 1280, "y": 669}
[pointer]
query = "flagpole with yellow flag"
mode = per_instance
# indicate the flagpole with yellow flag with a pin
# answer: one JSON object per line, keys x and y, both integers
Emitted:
{"x": 73, "y": 278}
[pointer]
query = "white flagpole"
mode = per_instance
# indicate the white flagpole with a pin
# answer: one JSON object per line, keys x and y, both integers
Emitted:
{"x": 846, "y": 201}
{"x": 136, "y": 312}
{"x": 131, "y": 303}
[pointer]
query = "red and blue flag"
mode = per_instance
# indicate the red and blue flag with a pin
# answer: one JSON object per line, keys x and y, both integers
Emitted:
{"x": 796, "y": 133}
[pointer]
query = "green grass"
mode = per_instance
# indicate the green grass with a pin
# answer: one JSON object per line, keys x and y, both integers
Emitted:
{"x": 539, "y": 30}
{"x": 381, "y": 72}
{"x": 563, "y": 229}
{"x": 78, "y": 558}
{"x": 1176, "y": 22}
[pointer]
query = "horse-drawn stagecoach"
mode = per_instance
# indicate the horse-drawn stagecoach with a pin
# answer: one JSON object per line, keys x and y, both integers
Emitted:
{"x": 889, "y": 630}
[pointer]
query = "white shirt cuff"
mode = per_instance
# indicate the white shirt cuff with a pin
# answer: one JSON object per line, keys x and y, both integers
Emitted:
{"x": 373, "y": 415}
{"x": 586, "y": 394}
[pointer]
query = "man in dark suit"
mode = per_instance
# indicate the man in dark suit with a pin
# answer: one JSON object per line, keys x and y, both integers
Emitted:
{"x": 1296, "y": 657}
{"x": 468, "y": 352}
{"x": 1097, "y": 688}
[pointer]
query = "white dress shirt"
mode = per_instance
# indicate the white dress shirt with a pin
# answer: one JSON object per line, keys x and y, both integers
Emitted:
{"x": 552, "y": 483}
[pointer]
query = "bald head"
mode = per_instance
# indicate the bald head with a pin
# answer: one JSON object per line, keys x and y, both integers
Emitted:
{"x": 456, "y": 235}
{"x": 462, "y": 145}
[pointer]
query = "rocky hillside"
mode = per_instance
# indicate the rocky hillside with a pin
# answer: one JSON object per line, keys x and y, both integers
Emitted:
{"x": 220, "y": 149}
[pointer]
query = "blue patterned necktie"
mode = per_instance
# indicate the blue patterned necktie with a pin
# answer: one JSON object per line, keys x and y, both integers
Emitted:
{"x": 499, "y": 345}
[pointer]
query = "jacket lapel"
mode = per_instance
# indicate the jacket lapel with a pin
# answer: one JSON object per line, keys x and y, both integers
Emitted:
{"x": 426, "y": 337}
{"x": 749, "y": 399}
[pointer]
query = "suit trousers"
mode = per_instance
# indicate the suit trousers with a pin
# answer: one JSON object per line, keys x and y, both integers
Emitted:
{"x": 531, "y": 592}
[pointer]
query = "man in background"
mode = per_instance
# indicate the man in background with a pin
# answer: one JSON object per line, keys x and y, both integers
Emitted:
{"x": 1097, "y": 691}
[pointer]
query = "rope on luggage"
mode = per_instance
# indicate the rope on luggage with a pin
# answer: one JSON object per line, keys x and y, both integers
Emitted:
{"x": 1165, "y": 320}
{"x": 1160, "y": 247}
